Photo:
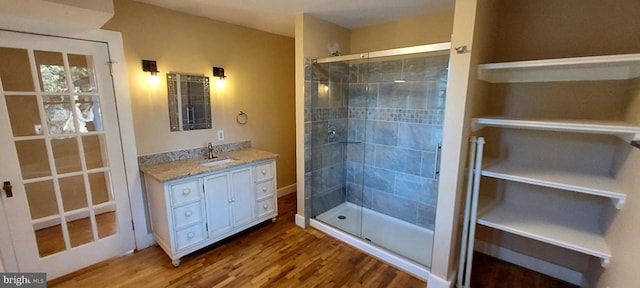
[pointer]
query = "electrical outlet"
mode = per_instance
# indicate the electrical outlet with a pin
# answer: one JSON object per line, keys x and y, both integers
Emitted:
{"x": 220, "y": 135}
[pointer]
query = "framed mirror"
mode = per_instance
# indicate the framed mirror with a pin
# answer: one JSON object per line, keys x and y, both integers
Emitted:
{"x": 189, "y": 102}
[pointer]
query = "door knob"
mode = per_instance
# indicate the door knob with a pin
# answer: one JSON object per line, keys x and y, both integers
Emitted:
{"x": 7, "y": 188}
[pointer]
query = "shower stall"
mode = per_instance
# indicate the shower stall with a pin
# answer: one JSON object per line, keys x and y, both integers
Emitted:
{"x": 373, "y": 128}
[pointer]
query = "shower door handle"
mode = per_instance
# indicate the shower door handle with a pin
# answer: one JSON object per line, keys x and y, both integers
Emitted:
{"x": 436, "y": 162}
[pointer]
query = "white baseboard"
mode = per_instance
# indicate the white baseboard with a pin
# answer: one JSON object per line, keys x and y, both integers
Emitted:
{"x": 540, "y": 266}
{"x": 434, "y": 281}
{"x": 287, "y": 190}
{"x": 391, "y": 258}
{"x": 300, "y": 221}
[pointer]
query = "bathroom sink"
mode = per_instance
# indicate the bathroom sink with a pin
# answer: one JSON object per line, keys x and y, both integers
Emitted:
{"x": 218, "y": 161}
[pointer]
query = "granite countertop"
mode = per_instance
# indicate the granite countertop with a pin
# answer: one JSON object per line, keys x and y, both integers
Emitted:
{"x": 183, "y": 168}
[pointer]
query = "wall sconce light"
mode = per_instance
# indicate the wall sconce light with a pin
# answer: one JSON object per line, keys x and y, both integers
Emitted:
{"x": 219, "y": 72}
{"x": 151, "y": 67}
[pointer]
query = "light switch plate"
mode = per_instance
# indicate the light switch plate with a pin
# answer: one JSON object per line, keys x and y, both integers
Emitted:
{"x": 220, "y": 135}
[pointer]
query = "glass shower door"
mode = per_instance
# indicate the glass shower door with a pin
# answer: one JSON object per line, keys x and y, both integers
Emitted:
{"x": 402, "y": 136}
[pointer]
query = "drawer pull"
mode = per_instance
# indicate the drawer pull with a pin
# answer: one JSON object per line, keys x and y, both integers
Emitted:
{"x": 186, "y": 191}
{"x": 265, "y": 206}
{"x": 190, "y": 235}
{"x": 187, "y": 213}
{"x": 264, "y": 172}
{"x": 264, "y": 189}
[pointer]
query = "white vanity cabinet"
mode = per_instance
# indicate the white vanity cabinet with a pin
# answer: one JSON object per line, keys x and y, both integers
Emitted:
{"x": 190, "y": 213}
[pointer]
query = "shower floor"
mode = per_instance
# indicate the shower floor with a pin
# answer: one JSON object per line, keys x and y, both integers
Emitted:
{"x": 408, "y": 240}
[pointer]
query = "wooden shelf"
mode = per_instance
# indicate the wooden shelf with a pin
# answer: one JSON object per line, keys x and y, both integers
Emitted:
{"x": 624, "y": 130}
{"x": 598, "y": 185}
{"x": 547, "y": 225}
{"x": 610, "y": 67}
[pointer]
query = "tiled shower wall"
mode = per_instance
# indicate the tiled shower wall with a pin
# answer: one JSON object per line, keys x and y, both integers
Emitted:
{"x": 387, "y": 134}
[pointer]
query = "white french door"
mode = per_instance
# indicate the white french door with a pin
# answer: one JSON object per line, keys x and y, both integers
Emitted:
{"x": 65, "y": 198}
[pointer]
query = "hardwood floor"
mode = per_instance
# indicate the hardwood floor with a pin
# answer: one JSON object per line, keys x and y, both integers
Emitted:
{"x": 280, "y": 255}
{"x": 491, "y": 272}
{"x": 270, "y": 255}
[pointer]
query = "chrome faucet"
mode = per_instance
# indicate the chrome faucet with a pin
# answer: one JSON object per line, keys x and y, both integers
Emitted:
{"x": 211, "y": 156}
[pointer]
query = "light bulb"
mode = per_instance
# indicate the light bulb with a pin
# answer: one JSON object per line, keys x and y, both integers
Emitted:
{"x": 154, "y": 80}
{"x": 221, "y": 83}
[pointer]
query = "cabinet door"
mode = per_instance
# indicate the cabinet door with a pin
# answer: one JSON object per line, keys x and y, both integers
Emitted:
{"x": 242, "y": 196}
{"x": 218, "y": 202}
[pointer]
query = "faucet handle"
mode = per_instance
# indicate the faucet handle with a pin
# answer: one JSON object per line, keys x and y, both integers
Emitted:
{"x": 210, "y": 154}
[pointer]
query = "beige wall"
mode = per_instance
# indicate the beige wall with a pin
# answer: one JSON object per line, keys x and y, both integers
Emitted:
{"x": 570, "y": 28}
{"x": 260, "y": 69}
{"x": 624, "y": 231}
{"x": 318, "y": 34}
{"x": 429, "y": 28}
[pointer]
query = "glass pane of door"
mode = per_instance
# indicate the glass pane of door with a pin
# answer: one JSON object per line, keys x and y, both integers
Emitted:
{"x": 15, "y": 70}
{"x": 403, "y": 135}
{"x": 334, "y": 119}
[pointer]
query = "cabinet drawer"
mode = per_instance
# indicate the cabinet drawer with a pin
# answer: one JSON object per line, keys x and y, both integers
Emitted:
{"x": 189, "y": 236}
{"x": 265, "y": 189}
{"x": 265, "y": 207}
{"x": 184, "y": 192}
{"x": 187, "y": 214}
{"x": 264, "y": 172}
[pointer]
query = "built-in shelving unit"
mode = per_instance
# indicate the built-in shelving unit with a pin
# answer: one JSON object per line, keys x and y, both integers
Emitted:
{"x": 537, "y": 219}
{"x": 610, "y": 67}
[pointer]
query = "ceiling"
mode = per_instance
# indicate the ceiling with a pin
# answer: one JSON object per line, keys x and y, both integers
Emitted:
{"x": 277, "y": 16}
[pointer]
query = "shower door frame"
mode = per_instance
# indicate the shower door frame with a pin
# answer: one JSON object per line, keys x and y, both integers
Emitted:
{"x": 436, "y": 47}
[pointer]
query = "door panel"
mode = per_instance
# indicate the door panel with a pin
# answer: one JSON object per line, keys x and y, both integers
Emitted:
{"x": 70, "y": 203}
{"x": 218, "y": 197}
{"x": 243, "y": 197}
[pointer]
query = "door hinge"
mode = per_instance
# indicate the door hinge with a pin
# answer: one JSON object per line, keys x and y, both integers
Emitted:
{"x": 462, "y": 49}
{"x": 206, "y": 227}
{"x": 133, "y": 226}
{"x": 110, "y": 63}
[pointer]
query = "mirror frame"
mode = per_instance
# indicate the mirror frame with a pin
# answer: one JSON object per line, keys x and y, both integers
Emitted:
{"x": 189, "y": 102}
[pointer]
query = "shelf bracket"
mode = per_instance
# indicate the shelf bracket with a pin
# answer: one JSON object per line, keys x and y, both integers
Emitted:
{"x": 633, "y": 139}
{"x": 475, "y": 126}
{"x": 618, "y": 203}
{"x": 604, "y": 262}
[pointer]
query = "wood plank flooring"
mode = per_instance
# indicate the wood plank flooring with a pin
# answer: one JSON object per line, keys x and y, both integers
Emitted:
{"x": 270, "y": 255}
{"x": 280, "y": 255}
{"x": 491, "y": 272}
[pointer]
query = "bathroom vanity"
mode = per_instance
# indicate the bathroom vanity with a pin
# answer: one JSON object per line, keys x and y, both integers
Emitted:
{"x": 195, "y": 203}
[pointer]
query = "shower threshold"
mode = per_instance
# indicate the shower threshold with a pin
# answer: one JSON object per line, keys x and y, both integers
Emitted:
{"x": 399, "y": 243}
